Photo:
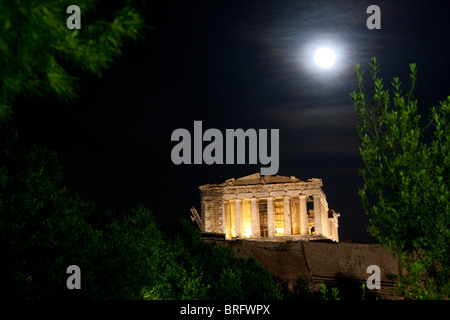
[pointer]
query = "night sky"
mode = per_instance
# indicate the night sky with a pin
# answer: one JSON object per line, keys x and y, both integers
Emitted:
{"x": 237, "y": 64}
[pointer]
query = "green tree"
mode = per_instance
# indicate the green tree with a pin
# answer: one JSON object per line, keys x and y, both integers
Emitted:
{"x": 122, "y": 255}
{"x": 193, "y": 269}
{"x": 43, "y": 228}
{"x": 37, "y": 51}
{"x": 405, "y": 181}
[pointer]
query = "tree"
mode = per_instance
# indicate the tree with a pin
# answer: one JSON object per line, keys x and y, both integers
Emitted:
{"x": 122, "y": 255}
{"x": 43, "y": 229}
{"x": 37, "y": 50}
{"x": 405, "y": 181}
{"x": 193, "y": 269}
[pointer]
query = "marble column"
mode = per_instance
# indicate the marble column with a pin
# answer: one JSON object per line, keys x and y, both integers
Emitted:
{"x": 287, "y": 215}
{"x": 224, "y": 223}
{"x": 303, "y": 216}
{"x": 317, "y": 215}
{"x": 238, "y": 217}
{"x": 270, "y": 217}
{"x": 325, "y": 222}
{"x": 336, "y": 233}
{"x": 332, "y": 230}
{"x": 254, "y": 217}
{"x": 207, "y": 216}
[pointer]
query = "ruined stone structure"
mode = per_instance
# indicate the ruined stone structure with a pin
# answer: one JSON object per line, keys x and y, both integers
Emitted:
{"x": 321, "y": 263}
{"x": 267, "y": 208}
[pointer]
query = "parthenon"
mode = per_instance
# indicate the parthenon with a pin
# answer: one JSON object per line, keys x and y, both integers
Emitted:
{"x": 267, "y": 207}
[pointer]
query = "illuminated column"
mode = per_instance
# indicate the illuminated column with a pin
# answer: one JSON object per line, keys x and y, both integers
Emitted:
{"x": 325, "y": 223}
{"x": 254, "y": 216}
{"x": 224, "y": 223}
{"x": 332, "y": 230}
{"x": 336, "y": 232}
{"x": 238, "y": 217}
{"x": 207, "y": 216}
{"x": 270, "y": 217}
{"x": 317, "y": 214}
{"x": 287, "y": 216}
{"x": 303, "y": 216}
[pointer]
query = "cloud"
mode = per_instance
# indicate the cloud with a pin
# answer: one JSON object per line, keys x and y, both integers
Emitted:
{"x": 302, "y": 117}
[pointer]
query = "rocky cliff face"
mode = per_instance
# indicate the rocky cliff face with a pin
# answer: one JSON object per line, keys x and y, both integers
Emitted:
{"x": 318, "y": 262}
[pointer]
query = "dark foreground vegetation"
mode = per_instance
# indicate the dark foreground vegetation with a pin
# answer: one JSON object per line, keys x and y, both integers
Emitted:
{"x": 122, "y": 255}
{"x": 128, "y": 255}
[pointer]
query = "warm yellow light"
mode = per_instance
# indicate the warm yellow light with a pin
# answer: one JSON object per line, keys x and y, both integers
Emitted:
{"x": 247, "y": 231}
{"x": 229, "y": 219}
{"x": 279, "y": 216}
{"x": 246, "y": 219}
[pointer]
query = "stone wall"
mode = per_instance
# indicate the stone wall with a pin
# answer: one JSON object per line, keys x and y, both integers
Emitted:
{"x": 321, "y": 262}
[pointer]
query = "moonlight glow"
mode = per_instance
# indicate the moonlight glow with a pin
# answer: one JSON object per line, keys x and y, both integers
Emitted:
{"x": 324, "y": 57}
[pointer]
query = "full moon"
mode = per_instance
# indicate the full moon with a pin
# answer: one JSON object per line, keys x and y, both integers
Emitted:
{"x": 324, "y": 57}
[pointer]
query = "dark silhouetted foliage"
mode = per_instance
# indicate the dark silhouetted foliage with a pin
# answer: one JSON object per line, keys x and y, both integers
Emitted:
{"x": 44, "y": 229}
{"x": 39, "y": 55}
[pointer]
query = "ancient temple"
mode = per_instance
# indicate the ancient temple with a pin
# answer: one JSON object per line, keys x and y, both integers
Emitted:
{"x": 267, "y": 208}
